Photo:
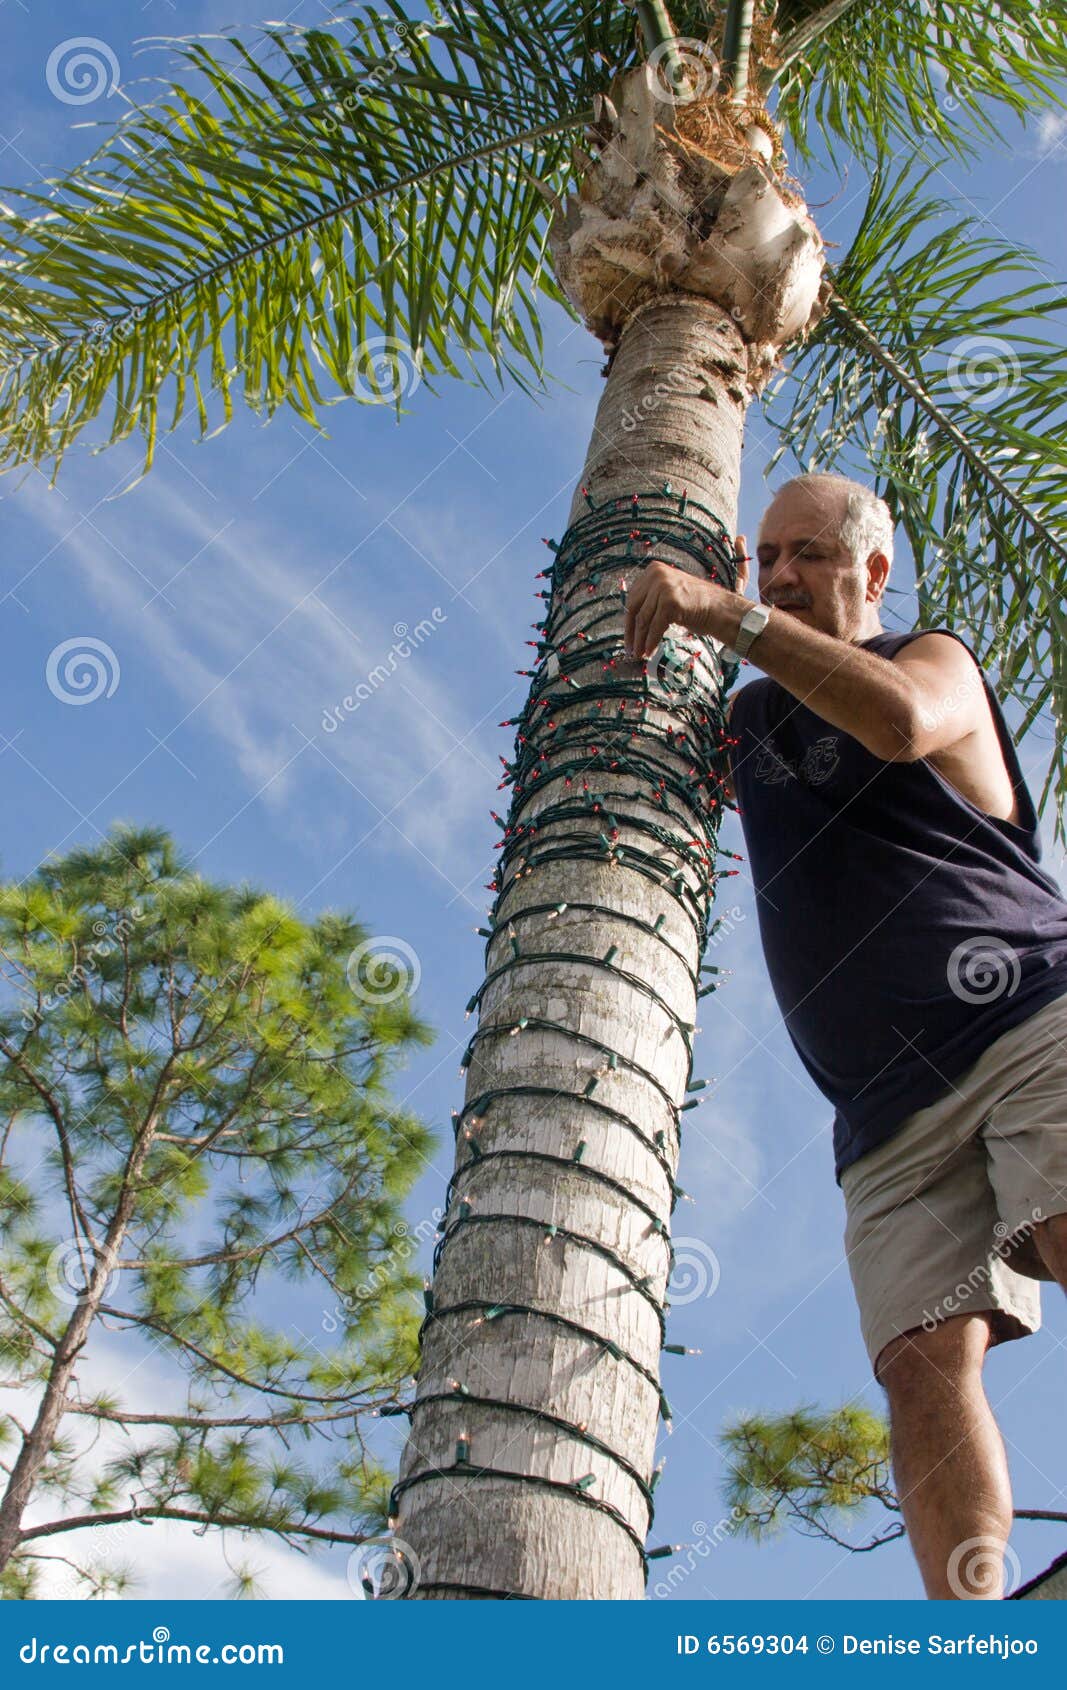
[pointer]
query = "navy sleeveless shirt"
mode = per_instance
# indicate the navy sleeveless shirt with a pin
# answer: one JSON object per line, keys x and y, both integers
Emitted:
{"x": 904, "y": 928}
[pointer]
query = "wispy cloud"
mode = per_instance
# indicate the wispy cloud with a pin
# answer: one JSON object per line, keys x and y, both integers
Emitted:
{"x": 257, "y": 642}
{"x": 168, "y": 1561}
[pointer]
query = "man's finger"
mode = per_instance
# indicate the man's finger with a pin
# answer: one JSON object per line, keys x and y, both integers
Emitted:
{"x": 659, "y": 625}
{"x": 641, "y": 627}
{"x": 634, "y": 595}
{"x": 741, "y": 554}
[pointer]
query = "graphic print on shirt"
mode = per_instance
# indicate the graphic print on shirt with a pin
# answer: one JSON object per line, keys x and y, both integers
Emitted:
{"x": 817, "y": 764}
{"x": 861, "y": 934}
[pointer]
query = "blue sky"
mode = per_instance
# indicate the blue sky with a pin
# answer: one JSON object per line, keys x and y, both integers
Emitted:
{"x": 249, "y": 584}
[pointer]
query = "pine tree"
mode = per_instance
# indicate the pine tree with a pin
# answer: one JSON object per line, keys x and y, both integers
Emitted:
{"x": 195, "y": 1091}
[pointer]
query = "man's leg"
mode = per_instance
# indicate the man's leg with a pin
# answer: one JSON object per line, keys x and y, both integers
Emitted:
{"x": 949, "y": 1466}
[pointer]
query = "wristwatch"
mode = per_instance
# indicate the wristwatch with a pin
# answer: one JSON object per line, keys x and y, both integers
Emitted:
{"x": 752, "y": 625}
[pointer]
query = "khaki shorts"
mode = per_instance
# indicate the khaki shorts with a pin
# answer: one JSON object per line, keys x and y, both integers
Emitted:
{"x": 940, "y": 1215}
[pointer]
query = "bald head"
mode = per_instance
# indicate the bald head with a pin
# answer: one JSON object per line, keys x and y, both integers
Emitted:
{"x": 824, "y": 550}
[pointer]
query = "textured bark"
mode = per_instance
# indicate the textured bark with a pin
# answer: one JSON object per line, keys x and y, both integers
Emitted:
{"x": 682, "y": 196}
{"x": 504, "y": 1535}
{"x": 693, "y": 264}
{"x": 38, "y": 1441}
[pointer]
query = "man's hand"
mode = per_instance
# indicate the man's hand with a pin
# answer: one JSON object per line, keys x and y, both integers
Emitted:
{"x": 663, "y": 594}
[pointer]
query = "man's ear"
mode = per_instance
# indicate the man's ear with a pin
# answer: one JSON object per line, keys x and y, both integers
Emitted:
{"x": 878, "y": 575}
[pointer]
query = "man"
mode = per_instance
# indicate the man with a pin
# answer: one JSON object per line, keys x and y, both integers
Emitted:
{"x": 919, "y": 957}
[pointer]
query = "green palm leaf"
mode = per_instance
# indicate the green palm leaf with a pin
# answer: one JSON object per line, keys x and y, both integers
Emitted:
{"x": 873, "y": 74}
{"x": 952, "y": 386}
{"x": 347, "y": 210}
{"x": 357, "y": 212}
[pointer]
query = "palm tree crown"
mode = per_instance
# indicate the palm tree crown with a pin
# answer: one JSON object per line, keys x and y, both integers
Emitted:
{"x": 309, "y": 216}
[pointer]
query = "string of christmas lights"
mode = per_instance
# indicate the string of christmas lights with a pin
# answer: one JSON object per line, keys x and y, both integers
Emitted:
{"x": 497, "y": 1311}
{"x": 571, "y": 731}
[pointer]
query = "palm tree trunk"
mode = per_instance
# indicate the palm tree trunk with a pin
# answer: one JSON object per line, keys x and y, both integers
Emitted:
{"x": 541, "y": 1353}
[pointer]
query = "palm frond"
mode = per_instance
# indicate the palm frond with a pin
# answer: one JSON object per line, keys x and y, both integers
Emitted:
{"x": 873, "y": 75}
{"x": 350, "y": 210}
{"x": 934, "y": 371}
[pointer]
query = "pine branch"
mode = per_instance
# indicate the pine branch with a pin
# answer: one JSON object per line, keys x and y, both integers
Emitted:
{"x": 246, "y": 1522}
{"x": 215, "y": 1362}
{"x": 250, "y": 1422}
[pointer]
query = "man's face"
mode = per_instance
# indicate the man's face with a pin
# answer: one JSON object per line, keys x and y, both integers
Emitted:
{"x": 804, "y": 567}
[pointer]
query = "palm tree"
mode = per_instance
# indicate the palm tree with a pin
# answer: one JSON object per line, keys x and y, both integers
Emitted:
{"x": 381, "y": 196}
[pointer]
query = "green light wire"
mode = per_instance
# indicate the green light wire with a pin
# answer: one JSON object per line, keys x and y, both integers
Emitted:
{"x": 559, "y": 741}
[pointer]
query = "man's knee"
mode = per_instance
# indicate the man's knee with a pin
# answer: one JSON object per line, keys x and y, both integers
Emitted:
{"x": 930, "y": 1360}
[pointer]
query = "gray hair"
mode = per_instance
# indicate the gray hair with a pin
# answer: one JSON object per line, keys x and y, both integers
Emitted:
{"x": 866, "y": 526}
